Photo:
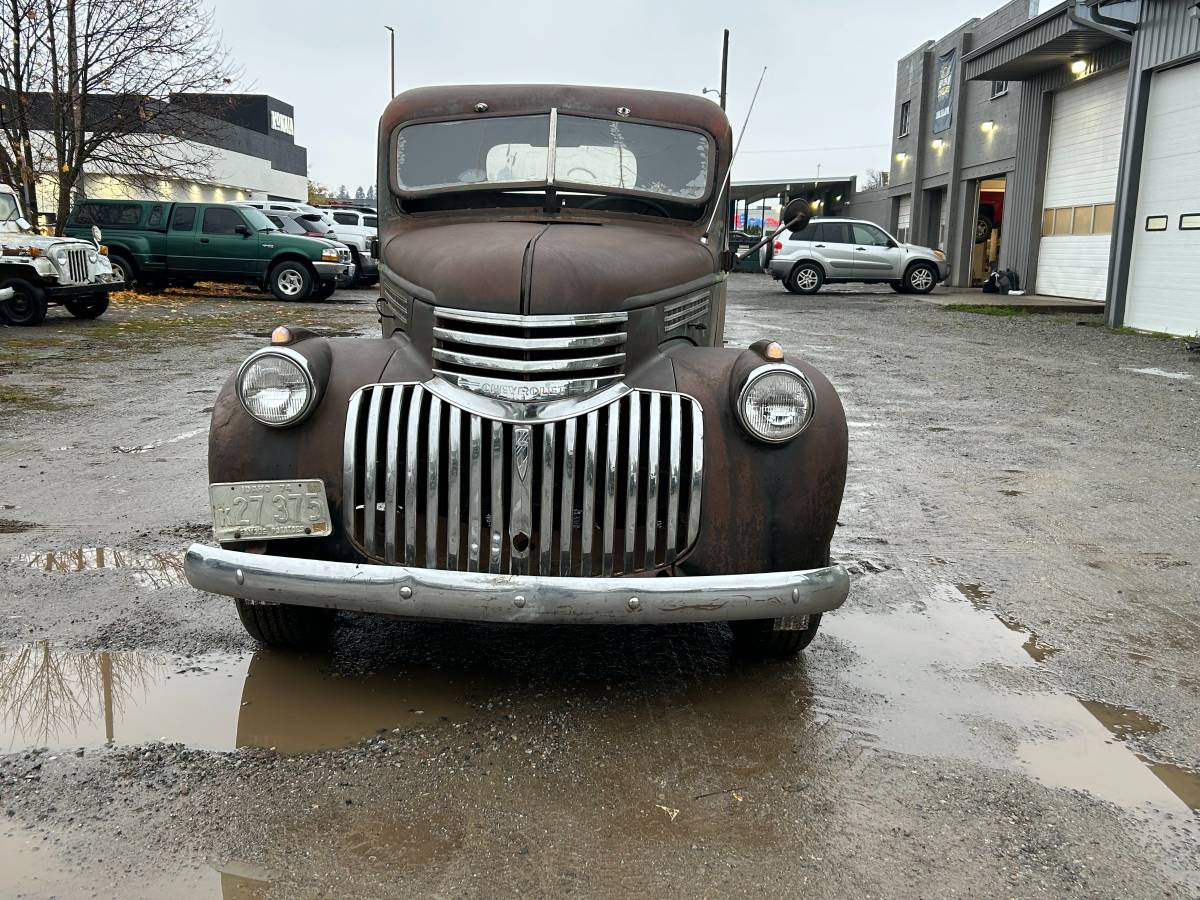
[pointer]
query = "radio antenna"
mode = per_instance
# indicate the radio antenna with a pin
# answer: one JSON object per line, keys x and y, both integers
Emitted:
{"x": 736, "y": 148}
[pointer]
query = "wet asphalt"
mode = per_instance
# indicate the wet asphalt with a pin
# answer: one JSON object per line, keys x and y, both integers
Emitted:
{"x": 1005, "y": 707}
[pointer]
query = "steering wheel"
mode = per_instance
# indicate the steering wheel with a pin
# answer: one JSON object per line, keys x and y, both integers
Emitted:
{"x": 590, "y": 173}
{"x": 649, "y": 204}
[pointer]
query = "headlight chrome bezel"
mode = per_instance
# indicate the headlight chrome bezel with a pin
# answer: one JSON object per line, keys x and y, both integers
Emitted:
{"x": 757, "y": 375}
{"x": 296, "y": 359}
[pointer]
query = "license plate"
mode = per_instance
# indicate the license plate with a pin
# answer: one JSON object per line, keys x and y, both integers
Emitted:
{"x": 262, "y": 510}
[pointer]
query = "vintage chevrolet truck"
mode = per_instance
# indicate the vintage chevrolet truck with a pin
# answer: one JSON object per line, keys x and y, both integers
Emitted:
{"x": 37, "y": 271}
{"x": 550, "y": 428}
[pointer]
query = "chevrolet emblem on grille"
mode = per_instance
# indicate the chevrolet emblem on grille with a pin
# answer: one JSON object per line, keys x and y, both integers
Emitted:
{"x": 522, "y": 438}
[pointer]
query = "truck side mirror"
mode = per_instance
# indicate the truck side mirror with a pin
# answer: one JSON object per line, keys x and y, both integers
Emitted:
{"x": 796, "y": 215}
{"x": 242, "y": 230}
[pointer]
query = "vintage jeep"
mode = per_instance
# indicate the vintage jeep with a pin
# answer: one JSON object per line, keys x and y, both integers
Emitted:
{"x": 36, "y": 271}
{"x": 550, "y": 429}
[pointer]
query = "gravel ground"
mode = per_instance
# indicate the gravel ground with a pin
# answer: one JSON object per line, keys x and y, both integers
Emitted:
{"x": 1004, "y": 708}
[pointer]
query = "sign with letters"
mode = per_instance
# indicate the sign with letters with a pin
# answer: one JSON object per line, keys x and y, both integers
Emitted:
{"x": 943, "y": 107}
{"x": 282, "y": 122}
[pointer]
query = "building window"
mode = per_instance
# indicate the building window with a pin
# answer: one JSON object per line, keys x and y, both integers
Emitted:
{"x": 999, "y": 89}
{"x": 1078, "y": 220}
{"x": 904, "y": 118}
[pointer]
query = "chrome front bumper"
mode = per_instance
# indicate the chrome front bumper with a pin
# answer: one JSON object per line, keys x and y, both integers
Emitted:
{"x": 481, "y": 597}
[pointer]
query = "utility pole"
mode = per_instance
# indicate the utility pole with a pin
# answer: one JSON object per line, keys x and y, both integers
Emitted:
{"x": 724, "y": 66}
{"x": 392, "y": 39}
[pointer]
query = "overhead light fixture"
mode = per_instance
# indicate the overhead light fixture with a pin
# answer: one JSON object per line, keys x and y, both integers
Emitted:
{"x": 938, "y": 144}
{"x": 988, "y": 127}
{"x": 1079, "y": 65}
{"x": 901, "y": 157}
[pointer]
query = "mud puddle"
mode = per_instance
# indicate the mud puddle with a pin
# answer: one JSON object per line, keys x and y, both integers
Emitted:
{"x": 959, "y": 682}
{"x": 61, "y": 700}
{"x": 151, "y": 570}
{"x": 35, "y": 865}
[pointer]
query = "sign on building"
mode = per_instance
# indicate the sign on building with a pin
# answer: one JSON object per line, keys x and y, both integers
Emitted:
{"x": 943, "y": 109}
{"x": 282, "y": 122}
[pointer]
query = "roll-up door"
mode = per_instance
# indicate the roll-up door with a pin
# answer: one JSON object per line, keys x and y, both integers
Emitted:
{"x": 1081, "y": 185}
{"x": 1164, "y": 272}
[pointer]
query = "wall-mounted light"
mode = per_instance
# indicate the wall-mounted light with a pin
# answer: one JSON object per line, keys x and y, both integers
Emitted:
{"x": 938, "y": 144}
{"x": 987, "y": 127}
{"x": 1079, "y": 65}
{"x": 901, "y": 157}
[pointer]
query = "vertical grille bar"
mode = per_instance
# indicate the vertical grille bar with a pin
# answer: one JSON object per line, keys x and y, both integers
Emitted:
{"x": 410, "y": 454}
{"x": 570, "y": 429}
{"x": 432, "y": 481}
{"x": 412, "y": 474}
{"x": 453, "y": 486}
{"x": 588, "y": 523}
{"x": 369, "y": 500}
{"x": 546, "y": 525}
{"x": 693, "y": 529}
{"x": 610, "y": 487}
{"x": 674, "y": 477}
{"x": 350, "y": 464}
{"x": 634, "y": 459}
{"x": 653, "y": 445}
{"x": 391, "y": 476}
{"x": 475, "y": 498}
{"x": 497, "y": 507}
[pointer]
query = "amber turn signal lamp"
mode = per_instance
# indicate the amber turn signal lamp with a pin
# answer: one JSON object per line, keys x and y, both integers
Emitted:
{"x": 281, "y": 335}
{"x": 774, "y": 351}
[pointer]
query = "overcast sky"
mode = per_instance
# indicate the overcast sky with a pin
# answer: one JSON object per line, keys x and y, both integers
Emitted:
{"x": 827, "y": 98}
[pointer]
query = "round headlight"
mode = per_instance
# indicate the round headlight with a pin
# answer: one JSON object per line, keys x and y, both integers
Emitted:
{"x": 776, "y": 403}
{"x": 275, "y": 387}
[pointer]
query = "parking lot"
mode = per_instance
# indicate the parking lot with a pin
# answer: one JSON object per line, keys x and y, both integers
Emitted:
{"x": 1006, "y": 705}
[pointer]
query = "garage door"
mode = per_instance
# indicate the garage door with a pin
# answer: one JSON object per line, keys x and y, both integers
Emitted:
{"x": 1081, "y": 184}
{"x": 904, "y": 220}
{"x": 1164, "y": 273}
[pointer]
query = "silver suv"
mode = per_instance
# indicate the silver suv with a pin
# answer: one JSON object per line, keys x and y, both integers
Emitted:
{"x": 834, "y": 251}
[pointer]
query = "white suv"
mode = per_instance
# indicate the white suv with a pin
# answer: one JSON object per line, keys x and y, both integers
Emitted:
{"x": 836, "y": 250}
{"x": 359, "y": 240}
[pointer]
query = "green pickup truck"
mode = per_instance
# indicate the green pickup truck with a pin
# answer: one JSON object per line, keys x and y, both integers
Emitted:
{"x": 157, "y": 242}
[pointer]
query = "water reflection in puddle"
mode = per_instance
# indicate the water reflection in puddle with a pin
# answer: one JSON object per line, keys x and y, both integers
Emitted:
{"x": 61, "y": 700}
{"x": 148, "y": 569}
{"x": 958, "y": 686}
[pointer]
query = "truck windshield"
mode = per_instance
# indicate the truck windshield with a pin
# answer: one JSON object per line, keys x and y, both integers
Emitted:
{"x": 8, "y": 208}
{"x": 588, "y": 154}
{"x": 258, "y": 221}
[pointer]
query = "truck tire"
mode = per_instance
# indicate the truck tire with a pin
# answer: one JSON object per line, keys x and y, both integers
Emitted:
{"x": 324, "y": 290}
{"x": 125, "y": 266}
{"x": 758, "y": 639}
{"x": 87, "y": 309}
{"x": 286, "y": 627}
{"x": 291, "y": 280}
{"x": 27, "y": 305}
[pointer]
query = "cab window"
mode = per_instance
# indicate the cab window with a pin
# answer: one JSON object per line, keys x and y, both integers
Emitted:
{"x": 156, "y": 217}
{"x": 221, "y": 220}
{"x": 184, "y": 218}
{"x": 343, "y": 218}
{"x": 371, "y": 221}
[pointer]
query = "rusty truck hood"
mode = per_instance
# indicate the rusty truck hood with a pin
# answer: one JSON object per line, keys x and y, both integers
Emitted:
{"x": 538, "y": 268}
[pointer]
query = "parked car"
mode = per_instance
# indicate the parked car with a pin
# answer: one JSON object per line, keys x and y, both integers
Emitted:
{"x": 359, "y": 240}
{"x": 549, "y": 428}
{"x": 157, "y": 242}
{"x": 308, "y": 225}
{"x": 837, "y": 251}
{"x": 37, "y": 271}
{"x": 353, "y": 216}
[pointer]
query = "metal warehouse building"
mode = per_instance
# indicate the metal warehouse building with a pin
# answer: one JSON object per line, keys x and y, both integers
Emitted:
{"x": 1063, "y": 144}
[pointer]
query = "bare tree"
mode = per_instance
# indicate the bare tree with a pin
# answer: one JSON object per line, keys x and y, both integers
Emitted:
{"x": 85, "y": 88}
{"x": 875, "y": 179}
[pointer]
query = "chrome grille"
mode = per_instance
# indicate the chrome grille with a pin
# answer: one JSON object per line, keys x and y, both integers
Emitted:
{"x": 686, "y": 311}
{"x": 610, "y": 492}
{"x": 77, "y": 267}
{"x": 529, "y": 358}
